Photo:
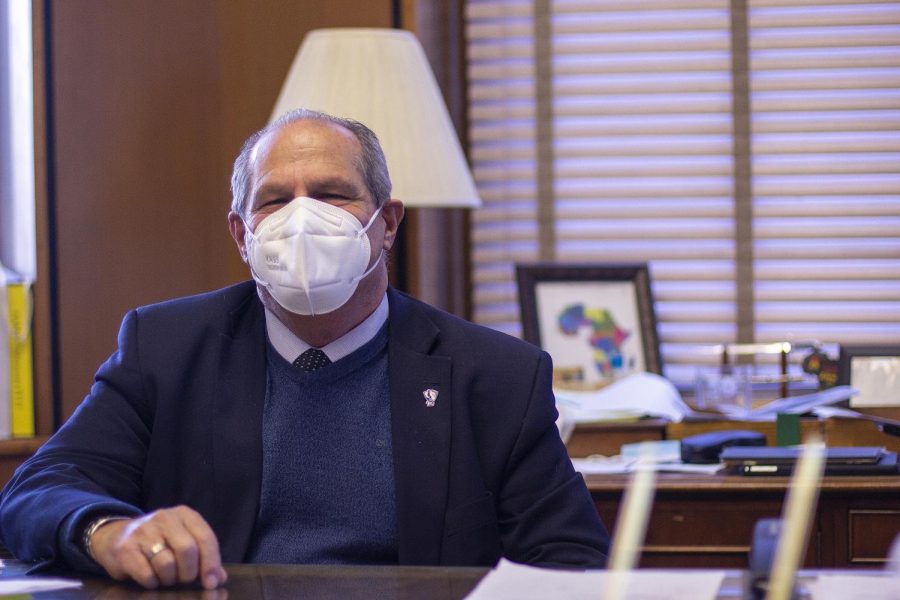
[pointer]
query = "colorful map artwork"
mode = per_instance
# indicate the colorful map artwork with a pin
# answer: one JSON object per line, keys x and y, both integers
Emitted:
{"x": 606, "y": 336}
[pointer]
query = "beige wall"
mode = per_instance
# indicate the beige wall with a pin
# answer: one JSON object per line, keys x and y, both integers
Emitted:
{"x": 151, "y": 100}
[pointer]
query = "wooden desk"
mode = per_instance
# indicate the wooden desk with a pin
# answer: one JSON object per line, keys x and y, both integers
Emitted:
{"x": 707, "y": 521}
{"x": 275, "y": 582}
{"x": 321, "y": 583}
{"x": 834, "y": 431}
{"x": 606, "y": 438}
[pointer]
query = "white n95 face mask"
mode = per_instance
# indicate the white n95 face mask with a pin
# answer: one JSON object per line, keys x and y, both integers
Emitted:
{"x": 310, "y": 255}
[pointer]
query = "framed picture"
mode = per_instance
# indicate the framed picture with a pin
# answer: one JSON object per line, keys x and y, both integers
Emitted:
{"x": 596, "y": 321}
{"x": 874, "y": 371}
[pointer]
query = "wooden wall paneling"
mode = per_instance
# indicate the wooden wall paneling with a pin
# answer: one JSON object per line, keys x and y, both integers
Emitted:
{"x": 41, "y": 331}
{"x": 132, "y": 91}
{"x": 152, "y": 99}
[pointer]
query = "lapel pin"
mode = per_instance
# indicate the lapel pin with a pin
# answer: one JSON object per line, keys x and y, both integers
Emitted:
{"x": 431, "y": 395}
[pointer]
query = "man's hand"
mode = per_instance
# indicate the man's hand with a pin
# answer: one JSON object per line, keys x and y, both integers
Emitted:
{"x": 165, "y": 547}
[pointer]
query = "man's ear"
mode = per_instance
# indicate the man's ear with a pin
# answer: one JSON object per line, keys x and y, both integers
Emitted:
{"x": 392, "y": 213}
{"x": 237, "y": 229}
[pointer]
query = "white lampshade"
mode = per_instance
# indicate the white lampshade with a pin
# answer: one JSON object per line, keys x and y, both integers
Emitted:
{"x": 381, "y": 77}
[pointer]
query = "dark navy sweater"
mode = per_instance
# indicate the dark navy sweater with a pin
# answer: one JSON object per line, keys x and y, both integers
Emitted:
{"x": 327, "y": 491}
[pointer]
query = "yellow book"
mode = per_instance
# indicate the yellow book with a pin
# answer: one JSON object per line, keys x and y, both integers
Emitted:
{"x": 21, "y": 382}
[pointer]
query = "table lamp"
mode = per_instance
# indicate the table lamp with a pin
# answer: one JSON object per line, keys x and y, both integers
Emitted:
{"x": 381, "y": 78}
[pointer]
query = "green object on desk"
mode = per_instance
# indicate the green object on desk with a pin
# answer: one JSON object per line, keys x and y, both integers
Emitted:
{"x": 787, "y": 430}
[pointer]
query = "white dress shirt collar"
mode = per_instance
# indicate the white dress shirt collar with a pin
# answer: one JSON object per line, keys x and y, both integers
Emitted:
{"x": 289, "y": 346}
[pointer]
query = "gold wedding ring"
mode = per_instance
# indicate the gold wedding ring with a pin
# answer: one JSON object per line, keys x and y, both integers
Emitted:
{"x": 156, "y": 549}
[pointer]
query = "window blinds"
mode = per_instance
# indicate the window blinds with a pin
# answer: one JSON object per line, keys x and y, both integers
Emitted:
{"x": 749, "y": 151}
{"x": 826, "y": 169}
{"x": 502, "y": 151}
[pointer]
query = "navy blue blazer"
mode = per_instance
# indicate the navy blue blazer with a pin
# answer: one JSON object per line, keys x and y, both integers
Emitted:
{"x": 175, "y": 417}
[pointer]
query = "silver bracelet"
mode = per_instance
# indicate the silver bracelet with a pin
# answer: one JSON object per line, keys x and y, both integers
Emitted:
{"x": 92, "y": 528}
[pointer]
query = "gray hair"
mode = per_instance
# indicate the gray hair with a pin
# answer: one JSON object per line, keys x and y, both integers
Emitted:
{"x": 370, "y": 162}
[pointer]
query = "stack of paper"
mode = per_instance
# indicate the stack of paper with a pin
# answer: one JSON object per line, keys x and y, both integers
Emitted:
{"x": 637, "y": 395}
{"x": 508, "y": 581}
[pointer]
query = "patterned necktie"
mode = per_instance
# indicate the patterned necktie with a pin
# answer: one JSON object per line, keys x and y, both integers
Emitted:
{"x": 312, "y": 360}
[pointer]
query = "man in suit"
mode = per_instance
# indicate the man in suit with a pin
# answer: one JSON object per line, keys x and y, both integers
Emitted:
{"x": 315, "y": 415}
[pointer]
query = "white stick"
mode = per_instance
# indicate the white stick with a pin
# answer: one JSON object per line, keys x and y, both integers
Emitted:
{"x": 797, "y": 515}
{"x": 631, "y": 525}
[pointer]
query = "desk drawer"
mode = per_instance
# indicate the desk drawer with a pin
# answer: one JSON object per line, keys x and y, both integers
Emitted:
{"x": 858, "y": 531}
{"x": 871, "y": 533}
{"x": 707, "y": 523}
{"x": 701, "y": 530}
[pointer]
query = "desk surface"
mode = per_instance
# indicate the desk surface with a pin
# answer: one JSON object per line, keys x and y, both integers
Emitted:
{"x": 607, "y": 438}
{"x": 688, "y": 483}
{"x": 323, "y": 582}
{"x": 310, "y": 582}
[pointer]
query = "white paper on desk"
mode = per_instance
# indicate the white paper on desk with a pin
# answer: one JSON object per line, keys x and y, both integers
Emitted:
{"x": 828, "y": 412}
{"x": 623, "y": 464}
{"x": 512, "y": 581}
{"x": 697, "y": 469}
{"x": 607, "y": 465}
{"x": 33, "y": 585}
{"x": 855, "y": 587}
{"x": 796, "y": 405}
{"x": 639, "y": 394}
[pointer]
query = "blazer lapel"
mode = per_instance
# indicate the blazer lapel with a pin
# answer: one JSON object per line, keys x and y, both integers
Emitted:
{"x": 420, "y": 430}
{"x": 237, "y": 429}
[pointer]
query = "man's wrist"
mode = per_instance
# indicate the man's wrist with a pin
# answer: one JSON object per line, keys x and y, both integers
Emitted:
{"x": 92, "y": 528}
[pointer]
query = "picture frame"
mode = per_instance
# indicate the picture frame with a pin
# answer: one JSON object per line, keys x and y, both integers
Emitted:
{"x": 597, "y": 321}
{"x": 874, "y": 370}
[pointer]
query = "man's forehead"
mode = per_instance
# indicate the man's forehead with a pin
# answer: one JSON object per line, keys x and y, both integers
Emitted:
{"x": 306, "y": 135}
